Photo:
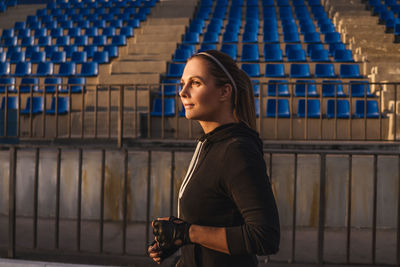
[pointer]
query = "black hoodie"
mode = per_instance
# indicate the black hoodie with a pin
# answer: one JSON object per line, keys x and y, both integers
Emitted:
{"x": 229, "y": 187}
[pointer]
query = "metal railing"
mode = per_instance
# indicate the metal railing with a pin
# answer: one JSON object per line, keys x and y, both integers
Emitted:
{"x": 131, "y": 234}
{"x": 118, "y": 112}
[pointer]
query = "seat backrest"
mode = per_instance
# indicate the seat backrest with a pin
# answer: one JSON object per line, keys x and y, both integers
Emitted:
{"x": 37, "y": 103}
{"x": 342, "y": 109}
{"x": 324, "y": 70}
{"x": 278, "y": 86}
{"x": 303, "y": 86}
{"x": 175, "y": 70}
{"x": 371, "y": 106}
{"x": 230, "y": 49}
{"x": 79, "y": 57}
{"x": 81, "y": 40}
{"x": 90, "y": 69}
{"x": 45, "y": 69}
{"x": 250, "y": 52}
{"x": 329, "y": 88}
{"x": 300, "y": 70}
{"x": 12, "y": 102}
{"x": 349, "y": 71}
{"x": 67, "y": 69}
{"x": 62, "y": 103}
{"x": 281, "y": 111}
{"x": 58, "y": 57}
{"x": 253, "y": 70}
{"x": 52, "y": 84}
{"x": 23, "y": 69}
{"x": 343, "y": 55}
{"x": 360, "y": 89}
{"x": 274, "y": 70}
{"x": 320, "y": 55}
{"x": 313, "y": 108}
{"x": 169, "y": 107}
{"x": 296, "y": 55}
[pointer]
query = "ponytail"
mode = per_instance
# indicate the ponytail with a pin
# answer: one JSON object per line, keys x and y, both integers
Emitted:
{"x": 242, "y": 93}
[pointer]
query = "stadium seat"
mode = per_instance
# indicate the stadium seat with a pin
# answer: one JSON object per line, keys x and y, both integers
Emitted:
{"x": 253, "y": 70}
{"x": 59, "y": 105}
{"x": 127, "y": 31}
{"x": 256, "y": 87}
{"x": 191, "y": 38}
{"x": 63, "y": 41}
{"x": 119, "y": 40}
{"x": 7, "y": 83}
{"x": 320, "y": 55}
{"x": 4, "y": 68}
{"x": 17, "y": 57}
{"x": 10, "y": 41}
{"x": 170, "y": 87}
{"x": 349, "y": 71}
{"x": 360, "y": 89}
{"x": 230, "y": 49}
{"x": 101, "y": 57}
{"x": 335, "y": 46}
{"x": 79, "y": 57}
{"x": 99, "y": 40}
{"x": 175, "y": 70}
{"x": 332, "y": 37}
{"x": 74, "y": 32}
{"x": 37, "y": 57}
{"x": 324, "y": 70}
{"x": 181, "y": 55}
{"x": 274, "y": 70}
{"x": 28, "y": 84}
{"x": 270, "y": 36}
{"x": 35, "y": 103}
{"x": 299, "y": 71}
{"x": 312, "y": 37}
{"x": 67, "y": 69}
{"x": 23, "y": 69}
{"x": 90, "y": 68}
{"x": 169, "y": 107}
{"x": 341, "y": 110}
{"x": 44, "y": 69}
{"x": 19, "y": 25}
{"x": 75, "y": 85}
{"x": 296, "y": 55}
{"x": 250, "y": 53}
{"x": 289, "y": 47}
{"x": 29, "y": 50}
{"x": 12, "y": 103}
{"x": 280, "y": 111}
{"x": 313, "y": 108}
{"x": 69, "y": 49}
{"x": 230, "y": 37}
{"x": 303, "y": 86}
{"x": 58, "y": 57}
{"x": 7, "y": 33}
{"x": 343, "y": 55}
{"x": 44, "y": 41}
{"x": 90, "y": 49}
{"x": 56, "y": 32}
{"x": 332, "y": 87}
{"x": 210, "y": 38}
{"x": 52, "y": 84}
{"x": 112, "y": 50}
{"x": 272, "y": 53}
{"x": 3, "y": 57}
{"x": 371, "y": 106}
{"x": 101, "y": 23}
{"x": 280, "y": 87}
{"x": 250, "y": 37}
{"x": 91, "y": 31}
{"x": 50, "y": 49}
{"x": 28, "y": 41}
{"x": 40, "y": 32}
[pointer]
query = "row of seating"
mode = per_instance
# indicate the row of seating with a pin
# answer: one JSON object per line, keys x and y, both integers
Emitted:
{"x": 301, "y": 88}
{"x": 50, "y": 84}
{"x": 281, "y": 108}
{"x": 388, "y": 12}
{"x": 272, "y": 52}
{"x": 47, "y": 69}
{"x": 277, "y": 70}
{"x": 278, "y": 3}
{"x": 4, "y": 4}
{"x": 71, "y": 4}
{"x": 35, "y": 105}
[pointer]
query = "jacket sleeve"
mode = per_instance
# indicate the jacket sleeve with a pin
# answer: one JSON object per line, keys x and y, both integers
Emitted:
{"x": 247, "y": 184}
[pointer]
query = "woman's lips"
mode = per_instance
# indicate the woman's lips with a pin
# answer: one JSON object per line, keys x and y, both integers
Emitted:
{"x": 188, "y": 106}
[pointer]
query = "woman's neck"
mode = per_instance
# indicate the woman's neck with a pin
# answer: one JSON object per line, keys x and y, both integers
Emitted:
{"x": 209, "y": 126}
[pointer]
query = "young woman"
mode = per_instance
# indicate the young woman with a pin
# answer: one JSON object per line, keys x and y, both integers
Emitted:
{"x": 226, "y": 209}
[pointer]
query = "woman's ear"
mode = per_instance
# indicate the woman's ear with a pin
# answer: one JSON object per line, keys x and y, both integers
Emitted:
{"x": 226, "y": 92}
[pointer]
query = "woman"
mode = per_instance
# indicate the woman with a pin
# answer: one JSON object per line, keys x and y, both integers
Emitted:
{"x": 226, "y": 208}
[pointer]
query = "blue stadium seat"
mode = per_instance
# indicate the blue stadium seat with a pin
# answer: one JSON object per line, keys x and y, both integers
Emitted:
{"x": 270, "y": 36}
{"x": 74, "y": 32}
{"x": 91, "y": 32}
{"x": 56, "y": 32}
{"x": 196, "y": 28}
{"x": 360, "y": 89}
{"x": 299, "y": 71}
{"x": 19, "y": 25}
{"x": 90, "y": 49}
{"x": 59, "y": 105}
{"x": 81, "y": 40}
{"x": 332, "y": 37}
{"x": 210, "y": 38}
{"x": 230, "y": 49}
{"x": 63, "y": 41}
{"x": 191, "y": 38}
{"x": 324, "y": 70}
{"x": 332, "y": 87}
{"x": 10, "y": 41}
{"x": 256, "y": 87}
{"x": 40, "y": 32}
{"x": 280, "y": 111}
{"x": 170, "y": 87}
{"x": 90, "y": 68}
{"x": 75, "y": 85}
{"x": 343, "y": 55}
{"x": 112, "y": 50}
{"x": 126, "y": 31}
{"x": 250, "y": 37}
{"x": 52, "y": 84}
{"x": 28, "y": 41}
{"x": 35, "y": 103}
{"x": 99, "y": 40}
{"x": 68, "y": 24}
{"x": 230, "y": 37}
{"x": 67, "y": 69}
{"x": 135, "y": 23}
{"x": 7, "y": 83}
{"x": 4, "y": 68}
{"x": 3, "y": 56}
{"x": 205, "y": 47}
{"x": 280, "y": 87}
{"x": 101, "y": 23}
{"x": 275, "y": 70}
{"x": 371, "y": 106}
{"x": 23, "y": 69}
{"x": 69, "y": 49}
{"x": 253, "y": 70}
{"x": 296, "y": 55}
{"x": 44, "y": 41}
{"x": 341, "y": 110}
{"x": 289, "y": 47}
{"x": 16, "y": 57}
{"x": 272, "y": 52}
{"x": 169, "y": 107}
{"x": 175, "y": 70}
{"x": 119, "y": 40}
{"x": 58, "y": 57}
{"x": 250, "y": 53}
{"x": 307, "y": 27}
{"x": 303, "y": 86}
{"x": 320, "y": 55}
{"x": 350, "y": 71}
{"x": 44, "y": 69}
{"x": 313, "y": 108}
{"x": 79, "y": 57}
{"x": 28, "y": 84}
{"x": 335, "y": 46}
{"x": 312, "y": 37}
{"x": 101, "y": 57}
{"x": 181, "y": 55}
{"x": 7, "y": 33}
{"x": 327, "y": 28}
{"x": 37, "y": 57}
{"x": 291, "y": 37}
{"x": 12, "y": 103}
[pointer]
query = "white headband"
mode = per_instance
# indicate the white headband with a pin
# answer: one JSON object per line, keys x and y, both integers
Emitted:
{"x": 221, "y": 66}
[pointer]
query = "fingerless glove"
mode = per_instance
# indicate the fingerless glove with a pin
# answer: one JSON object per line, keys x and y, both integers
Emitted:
{"x": 171, "y": 234}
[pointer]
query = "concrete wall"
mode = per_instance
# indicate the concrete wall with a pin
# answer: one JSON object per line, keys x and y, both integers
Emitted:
{"x": 164, "y": 164}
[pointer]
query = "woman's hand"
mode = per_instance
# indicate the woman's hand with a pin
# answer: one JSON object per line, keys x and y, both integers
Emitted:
{"x": 155, "y": 252}
{"x": 172, "y": 233}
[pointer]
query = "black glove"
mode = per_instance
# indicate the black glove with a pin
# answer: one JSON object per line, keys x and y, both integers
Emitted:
{"x": 171, "y": 234}
{"x": 165, "y": 253}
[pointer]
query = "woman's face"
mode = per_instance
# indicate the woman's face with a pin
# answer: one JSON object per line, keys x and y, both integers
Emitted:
{"x": 199, "y": 94}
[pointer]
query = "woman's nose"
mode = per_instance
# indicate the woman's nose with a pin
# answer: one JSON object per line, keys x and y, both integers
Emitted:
{"x": 183, "y": 91}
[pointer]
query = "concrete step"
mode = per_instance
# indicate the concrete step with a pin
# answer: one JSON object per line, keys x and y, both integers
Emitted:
{"x": 130, "y": 78}
{"x": 162, "y": 29}
{"x": 153, "y": 48}
{"x": 138, "y": 66}
{"x": 147, "y": 57}
{"x": 171, "y": 37}
{"x": 17, "y": 13}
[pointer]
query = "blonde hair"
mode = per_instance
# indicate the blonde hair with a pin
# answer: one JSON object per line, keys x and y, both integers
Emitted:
{"x": 242, "y": 93}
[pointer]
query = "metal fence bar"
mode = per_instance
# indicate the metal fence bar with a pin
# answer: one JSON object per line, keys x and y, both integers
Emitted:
{"x": 35, "y": 197}
{"x": 96, "y": 105}
{"x": 12, "y": 203}
{"x": 398, "y": 214}
{"x": 293, "y": 257}
{"x": 348, "y": 211}
{"x": 321, "y": 220}
{"x": 374, "y": 212}
{"x": 57, "y": 215}
{"x": 121, "y": 115}
{"x": 103, "y": 174}
{"x": 171, "y": 207}
{"x": 79, "y": 203}
{"x": 125, "y": 202}
{"x": 149, "y": 156}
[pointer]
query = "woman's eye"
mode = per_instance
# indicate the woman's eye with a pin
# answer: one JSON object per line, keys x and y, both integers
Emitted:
{"x": 196, "y": 83}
